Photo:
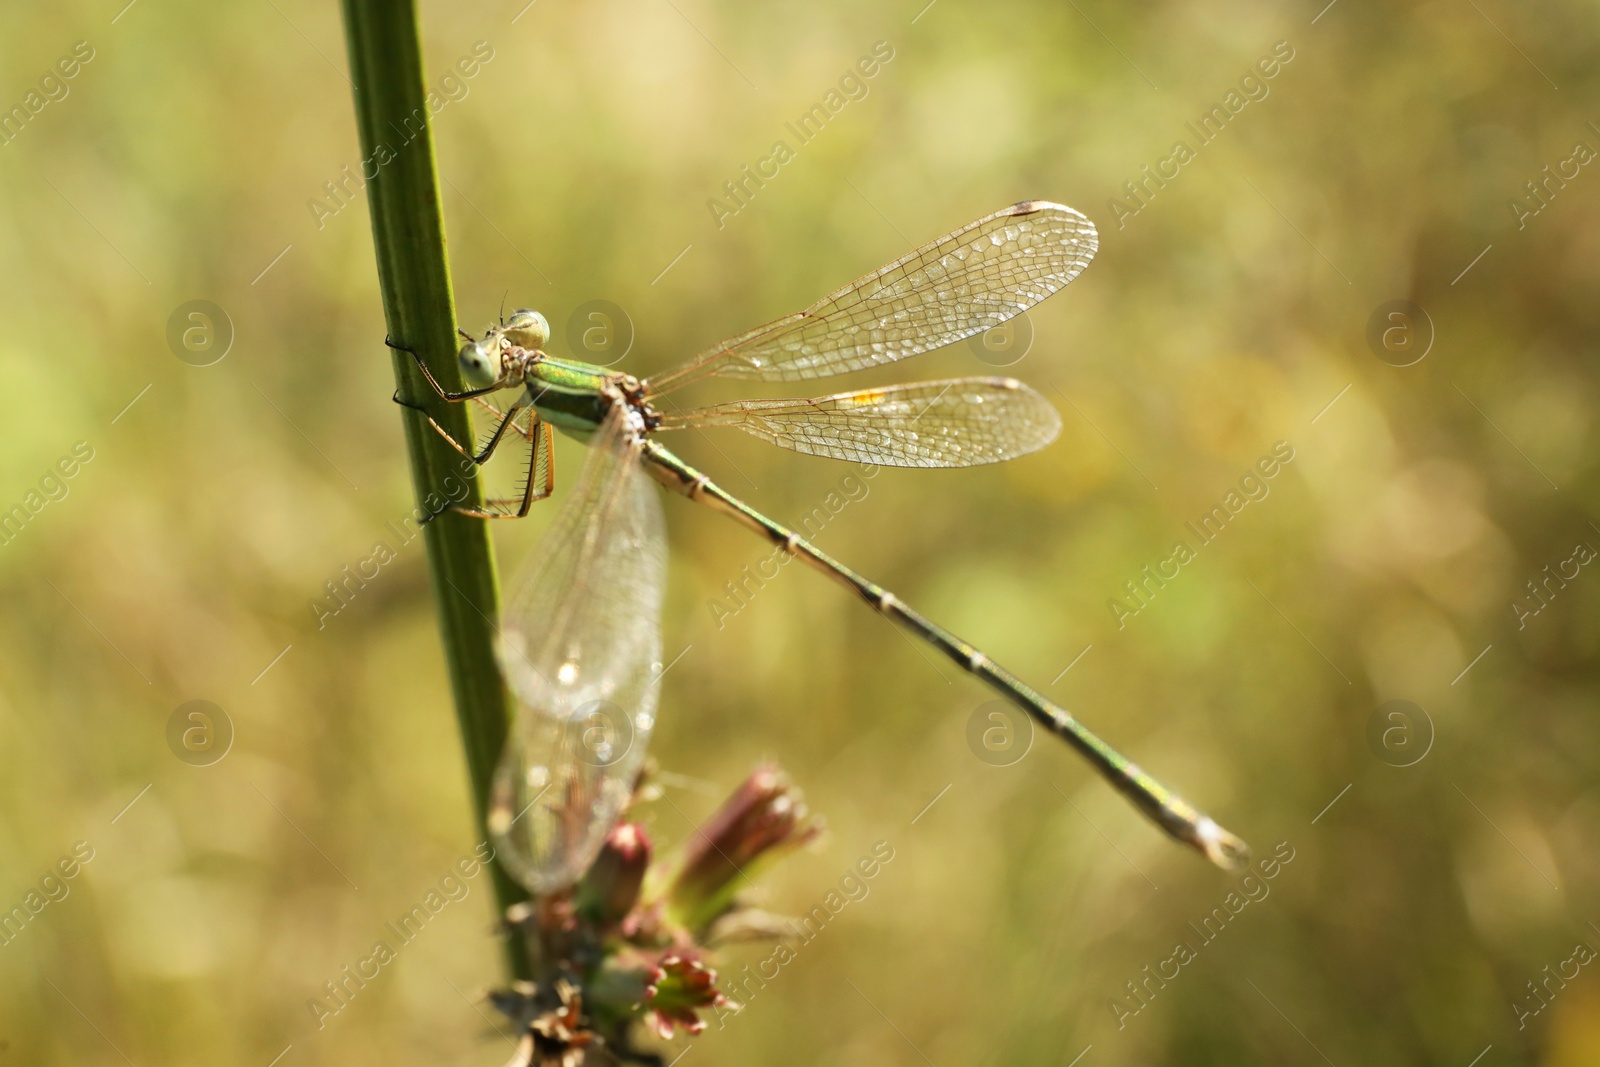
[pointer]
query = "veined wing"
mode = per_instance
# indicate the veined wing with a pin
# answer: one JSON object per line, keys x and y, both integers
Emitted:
{"x": 959, "y": 285}
{"x": 581, "y": 650}
{"x": 957, "y": 423}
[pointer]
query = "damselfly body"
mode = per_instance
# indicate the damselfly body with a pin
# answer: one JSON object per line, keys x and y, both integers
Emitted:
{"x": 581, "y": 644}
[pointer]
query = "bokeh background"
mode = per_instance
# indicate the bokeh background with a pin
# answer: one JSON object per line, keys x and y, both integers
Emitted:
{"x": 1230, "y": 312}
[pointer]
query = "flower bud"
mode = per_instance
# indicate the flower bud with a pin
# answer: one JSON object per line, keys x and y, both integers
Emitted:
{"x": 764, "y": 819}
{"x": 610, "y": 889}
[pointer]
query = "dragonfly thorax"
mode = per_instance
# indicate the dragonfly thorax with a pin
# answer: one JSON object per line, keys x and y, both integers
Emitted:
{"x": 577, "y": 397}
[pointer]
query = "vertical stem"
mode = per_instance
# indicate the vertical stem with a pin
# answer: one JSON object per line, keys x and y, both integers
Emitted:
{"x": 414, "y": 275}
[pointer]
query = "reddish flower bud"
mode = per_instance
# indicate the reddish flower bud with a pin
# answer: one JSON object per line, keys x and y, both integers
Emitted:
{"x": 610, "y": 889}
{"x": 764, "y": 819}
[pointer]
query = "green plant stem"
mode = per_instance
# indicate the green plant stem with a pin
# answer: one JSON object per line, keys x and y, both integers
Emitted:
{"x": 414, "y": 275}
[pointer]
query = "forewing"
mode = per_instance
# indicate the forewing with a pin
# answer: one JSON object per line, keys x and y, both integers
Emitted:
{"x": 581, "y": 651}
{"x": 960, "y": 423}
{"x": 959, "y": 285}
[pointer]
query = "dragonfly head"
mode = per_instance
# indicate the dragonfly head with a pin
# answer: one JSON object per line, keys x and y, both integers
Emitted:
{"x": 501, "y": 357}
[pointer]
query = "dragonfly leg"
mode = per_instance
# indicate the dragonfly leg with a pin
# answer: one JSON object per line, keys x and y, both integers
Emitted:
{"x": 444, "y": 393}
{"x": 403, "y": 402}
{"x": 526, "y": 435}
{"x": 440, "y": 430}
{"x": 505, "y": 419}
{"x": 539, "y": 483}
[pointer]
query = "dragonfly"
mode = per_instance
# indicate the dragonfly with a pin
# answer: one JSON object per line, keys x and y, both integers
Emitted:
{"x": 580, "y": 645}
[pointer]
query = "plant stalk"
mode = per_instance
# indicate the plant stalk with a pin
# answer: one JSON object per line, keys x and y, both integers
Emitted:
{"x": 414, "y": 275}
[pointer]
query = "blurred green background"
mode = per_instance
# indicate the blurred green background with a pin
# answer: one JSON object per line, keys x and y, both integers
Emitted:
{"x": 1220, "y": 318}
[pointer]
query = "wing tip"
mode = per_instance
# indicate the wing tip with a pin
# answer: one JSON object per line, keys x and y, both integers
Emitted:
{"x": 1033, "y": 207}
{"x": 1024, "y": 208}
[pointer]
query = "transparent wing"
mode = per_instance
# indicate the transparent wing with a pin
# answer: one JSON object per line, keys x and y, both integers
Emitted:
{"x": 959, "y": 285}
{"x": 581, "y": 650}
{"x": 958, "y": 423}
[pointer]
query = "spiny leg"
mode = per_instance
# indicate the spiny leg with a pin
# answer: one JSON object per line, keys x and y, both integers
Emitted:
{"x": 526, "y": 435}
{"x": 1166, "y": 809}
{"x": 539, "y": 483}
{"x": 540, "y": 480}
{"x": 505, "y": 419}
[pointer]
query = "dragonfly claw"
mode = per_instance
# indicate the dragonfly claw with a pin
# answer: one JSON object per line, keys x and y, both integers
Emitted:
{"x": 408, "y": 404}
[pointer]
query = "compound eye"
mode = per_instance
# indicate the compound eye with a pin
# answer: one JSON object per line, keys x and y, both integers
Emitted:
{"x": 478, "y": 368}
{"x": 528, "y": 329}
